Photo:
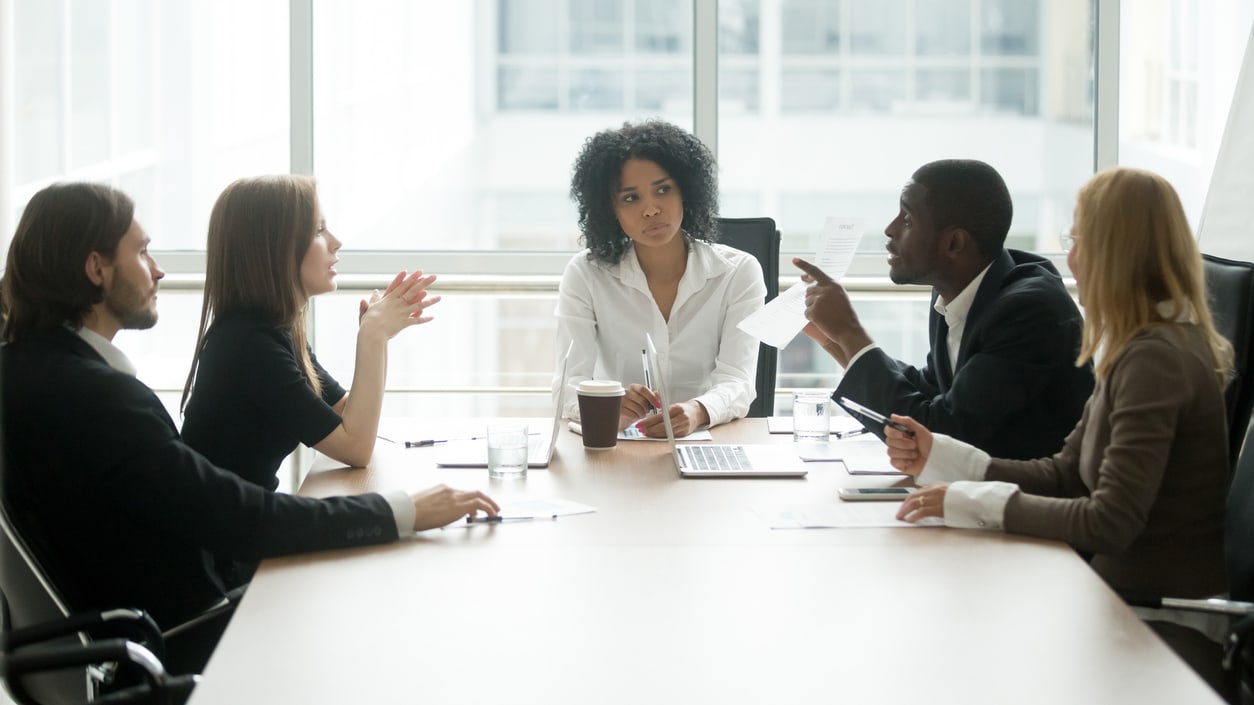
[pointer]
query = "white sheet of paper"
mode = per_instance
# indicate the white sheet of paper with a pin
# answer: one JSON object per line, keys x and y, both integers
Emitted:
{"x": 631, "y": 434}
{"x": 839, "y": 243}
{"x": 839, "y": 424}
{"x": 779, "y": 321}
{"x": 864, "y": 454}
{"x": 843, "y": 515}
{"x": 543, "y": 508}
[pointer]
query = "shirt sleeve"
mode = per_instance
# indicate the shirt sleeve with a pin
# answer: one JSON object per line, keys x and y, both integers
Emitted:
{"x": 977, "y": 505}
{"x": 732, "y": 382}
{"x": 951, "y": 460}
{"x": 332, "y": 392}
{"x": 281, "y": 392}
{"x": 402, "y": 510}
{"x": 577, "y": 323}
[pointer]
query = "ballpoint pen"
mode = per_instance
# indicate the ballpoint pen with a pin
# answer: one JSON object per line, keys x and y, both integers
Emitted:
{"x": 648, "y": 379}
{"x": 432, "y": 441}
{"x": 497, "y": 519}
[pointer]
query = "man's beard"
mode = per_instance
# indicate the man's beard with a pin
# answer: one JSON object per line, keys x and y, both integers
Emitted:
{"x": 131, "y": 306}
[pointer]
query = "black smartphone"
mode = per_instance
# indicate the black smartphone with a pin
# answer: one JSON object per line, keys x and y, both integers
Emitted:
{"x": 873, "y": 415}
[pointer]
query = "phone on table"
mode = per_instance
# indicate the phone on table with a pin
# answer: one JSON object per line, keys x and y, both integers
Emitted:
{"x": 873, "y": 415}
{"x": 874, "y": 494}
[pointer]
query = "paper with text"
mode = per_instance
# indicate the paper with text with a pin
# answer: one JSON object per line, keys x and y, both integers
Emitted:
{"x": 778, "y": 322}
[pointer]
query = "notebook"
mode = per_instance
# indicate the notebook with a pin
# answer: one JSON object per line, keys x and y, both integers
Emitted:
{"x": 721, "y": 460}
{"x": 474, "y": 454}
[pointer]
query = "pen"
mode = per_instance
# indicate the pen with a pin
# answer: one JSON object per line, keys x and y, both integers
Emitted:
{"x": 497, "y": 519}
{"x": 850, "y": 434}
{"x": 873, "y": 415}
{"x": 648, "y": 381}
{"x": 423, "y": 443}
{"x": 432, "y": 441}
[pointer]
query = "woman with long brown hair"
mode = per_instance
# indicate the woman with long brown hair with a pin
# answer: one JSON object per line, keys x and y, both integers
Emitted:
{"x": 255, "y": 389}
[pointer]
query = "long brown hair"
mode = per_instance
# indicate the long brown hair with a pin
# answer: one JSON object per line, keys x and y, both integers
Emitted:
{"x": 259, "y": 232}
{"x": 45, "y": 283}
{"x": 1137, "y": 252}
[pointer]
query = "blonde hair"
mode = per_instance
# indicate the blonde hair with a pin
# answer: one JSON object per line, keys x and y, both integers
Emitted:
{"x": 1137, "y": 252}
{"x": 259, "y": 232}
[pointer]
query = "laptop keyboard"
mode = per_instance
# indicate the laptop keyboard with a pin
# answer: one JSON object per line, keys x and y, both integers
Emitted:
{"x": 717, "y": 457}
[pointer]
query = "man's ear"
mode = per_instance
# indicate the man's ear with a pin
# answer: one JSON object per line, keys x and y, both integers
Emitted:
{"x": 95, "y": 267}
{"x": 955, "y": 242}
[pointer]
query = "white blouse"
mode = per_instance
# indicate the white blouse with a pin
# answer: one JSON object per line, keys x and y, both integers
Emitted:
{"x": 607, "y": 309}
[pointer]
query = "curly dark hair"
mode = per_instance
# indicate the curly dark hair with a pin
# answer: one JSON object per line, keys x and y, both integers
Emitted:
{"x": 599, "y": 167}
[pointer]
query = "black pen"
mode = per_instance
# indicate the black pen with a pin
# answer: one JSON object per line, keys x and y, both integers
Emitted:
{"x": 496, "y": 519}
{"x": 432, "y": 441}
{"x": 423, "y": 443}
{"x": 850, "y": 434}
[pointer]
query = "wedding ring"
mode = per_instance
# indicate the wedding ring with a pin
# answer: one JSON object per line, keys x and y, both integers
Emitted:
{"x": 922, "y": 501}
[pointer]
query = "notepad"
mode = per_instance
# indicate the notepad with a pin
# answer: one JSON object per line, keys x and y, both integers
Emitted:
{"x": 862, "y": 455}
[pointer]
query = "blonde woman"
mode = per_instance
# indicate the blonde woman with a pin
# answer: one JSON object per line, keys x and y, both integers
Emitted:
{"x": 255, "y": 389}
{"x": 1140, "y": 483}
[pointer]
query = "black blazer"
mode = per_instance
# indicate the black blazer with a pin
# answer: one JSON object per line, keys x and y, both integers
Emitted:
{"x": 121, "y": 512}
{"x": 1016, "y": 391}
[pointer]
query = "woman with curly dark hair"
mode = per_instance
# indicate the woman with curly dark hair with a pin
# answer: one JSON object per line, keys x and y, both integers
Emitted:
{"x": 647, "y": 199}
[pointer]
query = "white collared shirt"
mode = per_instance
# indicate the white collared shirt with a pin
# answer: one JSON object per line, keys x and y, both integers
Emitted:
{"x": 955, "y": 314}
{"x": 112, "y": 354}
{"x": 607, "y": 309}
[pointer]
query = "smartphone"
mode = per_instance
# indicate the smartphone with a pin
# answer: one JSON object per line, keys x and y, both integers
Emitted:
{"x": 874, "y": 494}
{"x": 873, "y": 415}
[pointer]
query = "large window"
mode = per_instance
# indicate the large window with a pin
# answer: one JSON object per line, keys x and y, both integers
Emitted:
{"x": 443, "y": 135}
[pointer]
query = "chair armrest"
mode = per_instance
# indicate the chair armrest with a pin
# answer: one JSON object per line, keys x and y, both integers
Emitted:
{"x": 1213, "y": 605}
{"x": 137, "y": 623}
{"x": 52, "y": 658}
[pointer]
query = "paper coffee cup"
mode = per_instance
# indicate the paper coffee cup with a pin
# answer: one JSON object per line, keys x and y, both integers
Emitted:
{"x": 600, "y": 401}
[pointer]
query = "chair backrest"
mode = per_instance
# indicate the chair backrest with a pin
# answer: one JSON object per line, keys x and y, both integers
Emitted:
{"x": 29, "y": 598}
{"x": 760, "y": 238}
{"x": 1230, "y": 293}
{"x": 1239, "y": 528}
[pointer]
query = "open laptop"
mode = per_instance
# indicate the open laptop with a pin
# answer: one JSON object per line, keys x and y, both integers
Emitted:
{"x": 474, "y": 454}
{"x": 721, "y": 460}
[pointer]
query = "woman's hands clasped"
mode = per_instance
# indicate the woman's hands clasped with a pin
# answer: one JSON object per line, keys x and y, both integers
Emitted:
{"x": 401, "y": 305}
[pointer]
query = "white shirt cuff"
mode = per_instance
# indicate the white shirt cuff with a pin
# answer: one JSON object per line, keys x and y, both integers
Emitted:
{"x": 952, "y": 460}
{"x": 402, "y": 511}
{"x": 860, "y": 353}
{"x": 977, "y": 505}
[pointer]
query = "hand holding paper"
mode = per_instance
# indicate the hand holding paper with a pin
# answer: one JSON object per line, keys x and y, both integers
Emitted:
{"x": 779, "y": 321}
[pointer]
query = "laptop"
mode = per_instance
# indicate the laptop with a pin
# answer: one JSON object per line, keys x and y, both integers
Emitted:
{"x": 721, "y": 460}
{"x": 474, "y": 453}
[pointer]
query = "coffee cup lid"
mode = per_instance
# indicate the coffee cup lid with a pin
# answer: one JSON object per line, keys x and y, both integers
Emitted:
{"x": 601, "y": 388}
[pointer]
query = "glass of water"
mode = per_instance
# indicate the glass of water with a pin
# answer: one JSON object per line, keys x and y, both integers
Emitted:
{"x": 809, "y": 416}
{"x": 507, "y": 449}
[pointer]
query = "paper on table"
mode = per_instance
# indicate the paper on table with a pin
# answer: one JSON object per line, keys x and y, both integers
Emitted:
{"x": 631, "y": 434}
{"x": 843, "y": 515}
{"x": 542, "y": 508}
{"x": 839, "y": 423}
{"x": 863, "y": 454}
{"x": 778, "y": 322}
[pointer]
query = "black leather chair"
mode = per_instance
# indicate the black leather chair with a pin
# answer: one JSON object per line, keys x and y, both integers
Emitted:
{"x": 1230, "y": 290}
{"x": 760, "y": 238}
{"x": 1239, "y": 560}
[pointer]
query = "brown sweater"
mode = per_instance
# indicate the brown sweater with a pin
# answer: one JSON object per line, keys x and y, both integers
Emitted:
{"x": 1140, "y": 482}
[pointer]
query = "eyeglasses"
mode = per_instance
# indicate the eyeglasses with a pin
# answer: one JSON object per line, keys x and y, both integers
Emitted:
{"x": 1067, "y": 240}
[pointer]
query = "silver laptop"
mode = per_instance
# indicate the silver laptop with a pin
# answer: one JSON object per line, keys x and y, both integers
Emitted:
{"x": 474, "y": 454}
{"x": 721, "y": 460}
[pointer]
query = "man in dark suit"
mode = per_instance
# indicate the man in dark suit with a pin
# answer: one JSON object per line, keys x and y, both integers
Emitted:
{"x": 1005, "y": 334}
{"x": 118, "y": 510}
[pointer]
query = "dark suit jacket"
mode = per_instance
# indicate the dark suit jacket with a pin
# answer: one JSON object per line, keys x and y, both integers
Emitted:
{"x": 120, "y": 512}
{"x": 1016, "y": 391}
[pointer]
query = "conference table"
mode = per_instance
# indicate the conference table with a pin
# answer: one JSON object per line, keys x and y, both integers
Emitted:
{"x": 677, "y": 590}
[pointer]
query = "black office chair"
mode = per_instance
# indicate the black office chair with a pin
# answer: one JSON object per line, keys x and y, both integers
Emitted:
{"x": 1230, "y": 290}
{"x": 51, "y": 655}
{"x": 760, "y": 238}
{"x": 1239, "y": 560}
